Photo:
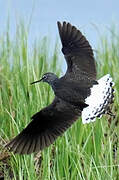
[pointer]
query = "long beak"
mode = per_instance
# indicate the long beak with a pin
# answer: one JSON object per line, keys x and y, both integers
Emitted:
{"x": 36, "y": 81}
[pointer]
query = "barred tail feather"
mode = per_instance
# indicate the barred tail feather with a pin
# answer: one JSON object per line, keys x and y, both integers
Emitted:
{"x": 100, "y": 99}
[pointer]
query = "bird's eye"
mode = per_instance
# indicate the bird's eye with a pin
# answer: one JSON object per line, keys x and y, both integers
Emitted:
{"x": 44, "y": 77}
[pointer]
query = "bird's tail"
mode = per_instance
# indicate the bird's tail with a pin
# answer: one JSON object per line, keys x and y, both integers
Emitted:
{"x": 99, "y": 101}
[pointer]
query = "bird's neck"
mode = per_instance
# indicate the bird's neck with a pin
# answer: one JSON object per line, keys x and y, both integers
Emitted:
{"x": 54, "y": 83}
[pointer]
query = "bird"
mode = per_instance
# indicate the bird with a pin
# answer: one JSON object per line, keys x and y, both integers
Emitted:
{"x": 77, "y": 93}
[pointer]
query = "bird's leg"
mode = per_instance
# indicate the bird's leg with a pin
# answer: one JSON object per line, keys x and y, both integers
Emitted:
{"x": 110, "y": 113}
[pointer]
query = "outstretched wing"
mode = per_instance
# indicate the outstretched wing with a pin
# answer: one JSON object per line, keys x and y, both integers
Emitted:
{"x": 44, "y": 128}
{"x": 78, "y": 53}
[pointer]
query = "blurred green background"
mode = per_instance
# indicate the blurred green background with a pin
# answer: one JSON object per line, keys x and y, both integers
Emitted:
{"x": 87, "y": 152}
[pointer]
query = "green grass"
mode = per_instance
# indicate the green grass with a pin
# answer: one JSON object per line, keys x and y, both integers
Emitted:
{"x": 86, "y": 152}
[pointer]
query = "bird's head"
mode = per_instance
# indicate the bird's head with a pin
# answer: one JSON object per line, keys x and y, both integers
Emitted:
{"x": 47, "y": 77}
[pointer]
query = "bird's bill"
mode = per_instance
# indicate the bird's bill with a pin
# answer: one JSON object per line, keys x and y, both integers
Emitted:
{"x": 37, "y": 81}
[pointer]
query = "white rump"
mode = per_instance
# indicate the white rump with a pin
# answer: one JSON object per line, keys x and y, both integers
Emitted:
{"x": 99, "y": 100}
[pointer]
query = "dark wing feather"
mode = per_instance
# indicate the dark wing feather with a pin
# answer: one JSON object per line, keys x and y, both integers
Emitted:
{"x": 78, "y": 53}
{"x": 44, "y": 128}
